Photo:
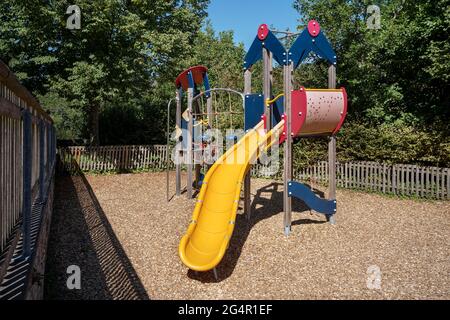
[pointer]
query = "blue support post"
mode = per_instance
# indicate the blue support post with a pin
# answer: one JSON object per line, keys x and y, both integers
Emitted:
{"x": 191, "y": 80}
{"x": 26, "y": 184}
{"x": 207, "y": 85}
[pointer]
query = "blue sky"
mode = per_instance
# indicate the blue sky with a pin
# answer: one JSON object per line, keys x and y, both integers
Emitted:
{"x": 244, "y": 17}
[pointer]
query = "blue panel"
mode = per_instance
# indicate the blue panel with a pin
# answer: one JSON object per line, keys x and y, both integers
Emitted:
{"x": 305, "y": 43}
{"x": 207, "y": 85}
{"x": 302, "y": 192}
{"x": 200, "y": 180}
{"x": 254, "y": 54}
{"x": 300, "y": 48}
{"x": 197, "y": 135}
{"x": 272, "y": 44}
{"x": 191, "y": 80}
{"x": 277, "y": 111}
{"x": 254, "y": 109}
{"x": 184, "y": 128}
{"x": 323, "y": 48}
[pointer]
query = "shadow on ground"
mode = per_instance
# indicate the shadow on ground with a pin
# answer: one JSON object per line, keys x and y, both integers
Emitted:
{"x": 81, "y": 235}
{"x": 262, "y": 208}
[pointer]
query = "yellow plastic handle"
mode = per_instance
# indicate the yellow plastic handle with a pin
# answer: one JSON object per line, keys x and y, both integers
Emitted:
{"x": 269, "y": 102}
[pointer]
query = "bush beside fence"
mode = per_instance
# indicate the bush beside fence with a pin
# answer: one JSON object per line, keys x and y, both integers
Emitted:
{"x": 399, "y": 179}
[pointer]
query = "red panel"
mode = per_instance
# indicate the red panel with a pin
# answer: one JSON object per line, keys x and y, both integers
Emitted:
{"x": 298, "y": 110}
{"x": 197, "y": 72}
{"x": 313, "y": 28}
{"x": 264, "y": 118}
{"x": 263, "y": 32}
{"x": 344, "y": 113}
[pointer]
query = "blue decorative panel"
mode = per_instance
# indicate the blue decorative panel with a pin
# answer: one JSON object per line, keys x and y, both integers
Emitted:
{"x": 277, "y": 111}
{"x": 254, "y": 109}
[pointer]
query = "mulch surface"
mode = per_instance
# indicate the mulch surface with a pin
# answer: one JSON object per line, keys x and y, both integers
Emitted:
{"x": 123, "y": 234}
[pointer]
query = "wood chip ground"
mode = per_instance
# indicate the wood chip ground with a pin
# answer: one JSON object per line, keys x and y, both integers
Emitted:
{"x": 122, "y": 233}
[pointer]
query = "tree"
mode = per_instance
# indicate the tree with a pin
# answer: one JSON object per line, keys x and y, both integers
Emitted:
{"x": 397, "y": 77}
{"x": 122, "y": 49}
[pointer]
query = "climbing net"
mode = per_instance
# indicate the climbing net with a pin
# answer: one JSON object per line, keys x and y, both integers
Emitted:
{"x": 220, "y": 113}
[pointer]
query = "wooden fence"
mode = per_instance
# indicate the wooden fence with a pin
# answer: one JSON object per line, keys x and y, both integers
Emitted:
{"x": 113, "y": 158}
{"x": 400, "y": 179}
{"x": 27, "y": 158}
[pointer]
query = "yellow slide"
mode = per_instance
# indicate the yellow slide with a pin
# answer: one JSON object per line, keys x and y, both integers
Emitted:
{"x": 207, "y": 238}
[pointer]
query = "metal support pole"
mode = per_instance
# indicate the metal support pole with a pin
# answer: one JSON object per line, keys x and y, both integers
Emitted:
{"x": 189, "y": 144}
{"x": 287, "y": 177}
{"x": 168, "y": 152}
{"x": 210, "y": 115}
{"x": 332, "y": 148}
{"x": 209, "y": 110}
{"x": 177, "y": 146}
{"x": 26, "y": 183}
{"x": 247, "y": 179}
{"x": 42, "y": 179}
{"x": 332, "y": 172}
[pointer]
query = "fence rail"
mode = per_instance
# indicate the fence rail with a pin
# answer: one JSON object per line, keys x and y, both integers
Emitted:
{"x": 27, "y": 154}
{"x": 400, "y": 179}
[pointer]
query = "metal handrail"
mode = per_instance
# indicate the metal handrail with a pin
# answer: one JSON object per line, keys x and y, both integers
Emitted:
{"x": 221, "y": 89}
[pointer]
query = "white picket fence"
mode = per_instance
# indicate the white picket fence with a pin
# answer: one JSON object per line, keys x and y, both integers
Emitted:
{"x": 400, "y": 179}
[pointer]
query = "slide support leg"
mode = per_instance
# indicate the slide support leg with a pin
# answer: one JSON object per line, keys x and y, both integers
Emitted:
{"x": 287, "y": 176}
{"x": 247, "y": 181}
{"x": 332, "y": 173}
{"x": 332, "y": 149}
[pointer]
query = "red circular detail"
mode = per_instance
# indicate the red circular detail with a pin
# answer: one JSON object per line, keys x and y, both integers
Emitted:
{"x": 313, "y": 28}
{"x": 263, "y": 32}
